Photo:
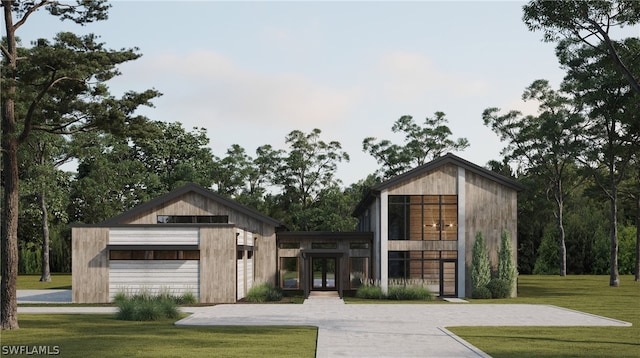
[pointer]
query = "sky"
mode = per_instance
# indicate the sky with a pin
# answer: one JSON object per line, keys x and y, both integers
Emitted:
{"x": 251, "y": 72}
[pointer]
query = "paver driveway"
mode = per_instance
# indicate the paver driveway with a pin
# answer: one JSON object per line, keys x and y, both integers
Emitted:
{"x": 393, "y": 330}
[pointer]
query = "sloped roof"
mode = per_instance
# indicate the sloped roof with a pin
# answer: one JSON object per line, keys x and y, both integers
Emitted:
{"x": 448, "y": 158}
{"x": 191, "y": 187}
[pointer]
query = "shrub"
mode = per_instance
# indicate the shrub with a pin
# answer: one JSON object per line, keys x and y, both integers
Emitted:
{"x": 409, "y": 293}
{"x": 481, "y": 293}
{"x": 119, "y": 297}
{"x": 168, "y": 307}
{"x": 499, "y": 288}
{"x": 147, "y": 311}
{"x": 264, "y": 293}
{"x": 370, "y": 291}
{"x": 188, "y": 298}
{"x": 126, "y": 310}
{"x": 145, "y": 307}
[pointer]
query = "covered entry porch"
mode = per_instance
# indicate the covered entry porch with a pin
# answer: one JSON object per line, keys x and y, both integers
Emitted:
{"x": 324, "y": 261}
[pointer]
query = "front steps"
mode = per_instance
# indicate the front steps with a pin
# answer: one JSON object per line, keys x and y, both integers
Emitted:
{"x": 323, "y": 298}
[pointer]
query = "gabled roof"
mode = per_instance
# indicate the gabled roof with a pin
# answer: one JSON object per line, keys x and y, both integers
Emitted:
{"x": 191, "y": 187}
{"x": 448, "y": 158}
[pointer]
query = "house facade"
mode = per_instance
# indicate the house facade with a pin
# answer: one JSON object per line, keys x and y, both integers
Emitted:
{"x": 425, "y": 221}
{"x": 417, "y": 226}
{"x": 189, "y": 240}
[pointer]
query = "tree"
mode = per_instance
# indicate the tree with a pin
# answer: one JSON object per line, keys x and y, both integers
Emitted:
{"x": 260, "y": 175}
{"x": 110, "y": 180}
{"x": 71, "y": 70}
{"x": 422, "y": 144}
{"x": 307, "y": 172}
{"x": 174, "y": 155}
{"x": 480, "y": 265}
{"x": 546, "y": 145}
{"x": 506, "y": 269}
{"x": 612, "y": 133}
{"x": 40, "y": 158}
{"x": 589, "y": 23}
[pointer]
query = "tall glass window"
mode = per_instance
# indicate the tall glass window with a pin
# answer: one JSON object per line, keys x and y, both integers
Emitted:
{"x": 289, "y": 272}
{"x": 357, "y": 271}
{"x": 423, "y": 217}
{"x": 417, "y": 265}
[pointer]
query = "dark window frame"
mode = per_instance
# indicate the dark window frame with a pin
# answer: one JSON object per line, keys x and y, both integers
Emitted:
{"x": 153, "y": 255}
{"x": 399, "y": 213}
{"x": 192, "y": 219}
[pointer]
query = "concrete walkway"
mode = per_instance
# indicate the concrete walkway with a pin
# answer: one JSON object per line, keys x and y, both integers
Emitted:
{"x": 393, "y": 330}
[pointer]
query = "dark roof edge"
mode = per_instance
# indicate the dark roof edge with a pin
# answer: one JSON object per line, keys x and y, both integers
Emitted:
{"x": 190, "y": 187}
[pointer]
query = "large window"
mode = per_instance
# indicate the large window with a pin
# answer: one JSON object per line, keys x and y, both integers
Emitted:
{"x": 193, "y": 219}
{"x": 418, "y": 265}
{"x": 289, "y": 272}
{"x": 423, "y": 217}
{"x": 154, "y": 255}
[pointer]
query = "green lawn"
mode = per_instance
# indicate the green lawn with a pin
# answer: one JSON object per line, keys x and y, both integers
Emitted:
{"x": 590, "y": 294}
{"x": 104, "y": 336}
{"x": 59, "y": 281}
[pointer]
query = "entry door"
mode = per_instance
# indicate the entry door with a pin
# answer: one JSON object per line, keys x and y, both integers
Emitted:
{"x": 323, "y": 273}
{"x": 448, "y": 278}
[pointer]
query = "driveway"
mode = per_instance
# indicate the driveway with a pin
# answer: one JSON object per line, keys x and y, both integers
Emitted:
{"x": 393, "y": 330}
{"x": 362, "y": 330}
{"x": 43, "y": 296}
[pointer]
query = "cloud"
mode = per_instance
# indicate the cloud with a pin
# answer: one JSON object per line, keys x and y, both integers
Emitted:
{"x": 411, "y": 76}
{"x": 211, "y": 86}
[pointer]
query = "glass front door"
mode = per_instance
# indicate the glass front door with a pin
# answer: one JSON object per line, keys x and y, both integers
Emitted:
{"x": 323, "y": 273}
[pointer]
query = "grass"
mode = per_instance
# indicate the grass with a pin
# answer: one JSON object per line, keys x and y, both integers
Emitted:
{"x": 590, "y": 294}
{"x": 104, "y": 336}
{"x": 59, "y": 281}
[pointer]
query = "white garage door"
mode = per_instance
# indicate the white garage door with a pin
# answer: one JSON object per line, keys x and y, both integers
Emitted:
{"x": 175, "y": 277}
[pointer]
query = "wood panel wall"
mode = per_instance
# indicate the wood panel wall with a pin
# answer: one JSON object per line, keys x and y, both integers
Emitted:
{"x": 218, "y": 265}
{"x": 195, "y": 204}
{"x": 410, "y": 245}
{"x": 490, "y": 207}
{"x": 90, "y": 265}
{"x": 265, "y": 256}
{"x": 440, "y": 181}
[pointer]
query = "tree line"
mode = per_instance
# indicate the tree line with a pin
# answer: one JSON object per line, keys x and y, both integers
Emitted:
{"x": 577, "y": 157}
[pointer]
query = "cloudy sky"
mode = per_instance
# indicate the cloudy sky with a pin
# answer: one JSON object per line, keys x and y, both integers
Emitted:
{"x": 251, "y": 72}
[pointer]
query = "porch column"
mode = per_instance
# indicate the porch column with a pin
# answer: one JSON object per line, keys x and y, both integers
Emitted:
{"x": 384, "y": 241}
{"x": 462, "y": 239}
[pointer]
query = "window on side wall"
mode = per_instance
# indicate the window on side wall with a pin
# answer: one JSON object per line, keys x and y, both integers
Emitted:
{"x": 289, "y": 273}
{"x": 358, "y": 271}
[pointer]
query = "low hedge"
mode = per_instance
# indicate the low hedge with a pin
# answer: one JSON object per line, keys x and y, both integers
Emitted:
{"x": 146, "y": 307}
{"x": 400, "y": 292}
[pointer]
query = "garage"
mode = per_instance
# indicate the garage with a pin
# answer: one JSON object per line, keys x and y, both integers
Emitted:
{"x": 154, "y": 261}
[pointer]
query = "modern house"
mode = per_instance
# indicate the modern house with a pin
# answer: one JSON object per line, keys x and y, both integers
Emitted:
{"x": 425, "y": 221}
{"x": 420, "y": 225}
